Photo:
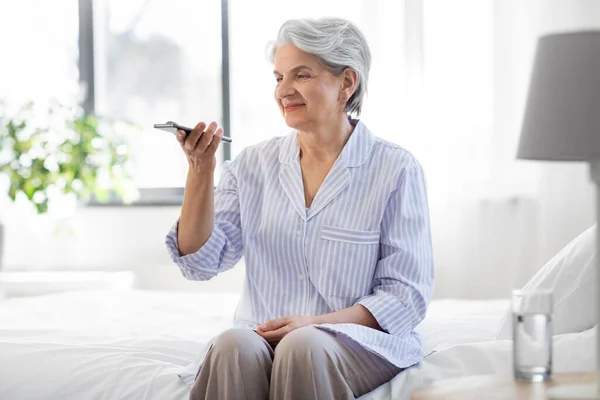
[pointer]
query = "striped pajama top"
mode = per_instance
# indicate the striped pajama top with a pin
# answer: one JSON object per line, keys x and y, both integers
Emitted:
{"x": 365, "y": 239}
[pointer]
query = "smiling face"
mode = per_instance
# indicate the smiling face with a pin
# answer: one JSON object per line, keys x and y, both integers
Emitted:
{"x": 307, "y": 93}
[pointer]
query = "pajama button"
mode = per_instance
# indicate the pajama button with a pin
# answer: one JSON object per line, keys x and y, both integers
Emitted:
{"x": 298, "y": 232}
{"x": 300, "y": 277}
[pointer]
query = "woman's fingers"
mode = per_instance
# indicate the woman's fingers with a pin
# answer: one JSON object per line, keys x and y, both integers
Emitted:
{"x": 277, "y": 334}
{"x": 214, "y": 144}
{"x": 180, "y": 135}
{"x": 207, "y": 136}
{"x": 273, "y": 324}
{"x": 192, "y": 139}
{"x": 200, "y": 146}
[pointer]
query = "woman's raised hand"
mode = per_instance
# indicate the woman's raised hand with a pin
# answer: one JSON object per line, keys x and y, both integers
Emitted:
{"x": 200, "y": 147}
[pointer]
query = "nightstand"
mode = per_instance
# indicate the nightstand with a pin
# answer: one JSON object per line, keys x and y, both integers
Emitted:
{"x": 495, "y": 387}
{"x": 33, "y": 283}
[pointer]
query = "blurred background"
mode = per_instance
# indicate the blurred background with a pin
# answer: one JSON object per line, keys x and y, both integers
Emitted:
{"x": 448, "y": 82}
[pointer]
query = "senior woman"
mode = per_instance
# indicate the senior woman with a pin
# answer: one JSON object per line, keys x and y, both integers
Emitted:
{"x": 334, "y": 227}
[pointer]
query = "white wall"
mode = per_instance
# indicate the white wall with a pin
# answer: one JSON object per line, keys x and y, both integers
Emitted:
{"x": 567, "y": 206}
{"x": 102, "y": 238}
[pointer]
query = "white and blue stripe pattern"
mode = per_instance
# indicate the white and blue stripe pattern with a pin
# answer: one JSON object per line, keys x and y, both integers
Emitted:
{"x": 365, "y": 240}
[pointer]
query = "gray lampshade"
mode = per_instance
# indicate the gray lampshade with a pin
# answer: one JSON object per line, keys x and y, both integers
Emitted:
{"x": 562, "y": 115}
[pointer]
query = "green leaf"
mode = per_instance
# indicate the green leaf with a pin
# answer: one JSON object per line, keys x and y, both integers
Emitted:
{"x": 42, "y": 207}
{"x": 29, "y": 189}
{"x": 12, "y": 191}
{"x": 24, "y": 146}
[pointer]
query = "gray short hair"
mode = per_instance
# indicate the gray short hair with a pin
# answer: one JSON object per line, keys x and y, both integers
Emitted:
{"x": 337, "y": 42}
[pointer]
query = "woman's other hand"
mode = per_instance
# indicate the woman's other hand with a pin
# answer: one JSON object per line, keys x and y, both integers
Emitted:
{"x": 275, "y": 329}
{"x": 200, "y": 147}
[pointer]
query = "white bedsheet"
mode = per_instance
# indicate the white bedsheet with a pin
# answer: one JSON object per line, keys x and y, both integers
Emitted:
{"x": 105, "y": 345}
{"x": 130, "y": 344}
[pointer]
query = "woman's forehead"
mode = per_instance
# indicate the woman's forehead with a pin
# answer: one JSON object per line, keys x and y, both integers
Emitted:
{"x": 288, "y": 57}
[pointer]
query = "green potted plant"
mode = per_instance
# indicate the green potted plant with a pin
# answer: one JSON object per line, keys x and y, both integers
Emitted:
{"x": 54, "y": 150}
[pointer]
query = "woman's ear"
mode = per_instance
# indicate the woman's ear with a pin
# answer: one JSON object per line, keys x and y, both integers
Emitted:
{"x": 349, "y": 84}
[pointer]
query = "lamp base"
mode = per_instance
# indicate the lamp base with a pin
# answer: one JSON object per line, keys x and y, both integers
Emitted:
{"x": 574, "y": 392}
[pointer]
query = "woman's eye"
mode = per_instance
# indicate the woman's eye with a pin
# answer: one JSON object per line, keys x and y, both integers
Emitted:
{"x": 278, "y": 79}
{"x": 302, "y": 76}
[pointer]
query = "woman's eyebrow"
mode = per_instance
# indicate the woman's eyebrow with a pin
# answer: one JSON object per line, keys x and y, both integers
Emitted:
{"x": 296, "y": 68}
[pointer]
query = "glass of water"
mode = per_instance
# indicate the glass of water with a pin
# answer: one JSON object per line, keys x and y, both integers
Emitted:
{"x": 532, "y": 334}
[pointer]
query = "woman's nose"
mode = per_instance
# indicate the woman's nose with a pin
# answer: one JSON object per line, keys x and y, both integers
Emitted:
{"x": 284, "y": 89}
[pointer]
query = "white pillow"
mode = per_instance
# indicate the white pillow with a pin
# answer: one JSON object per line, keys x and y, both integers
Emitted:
{"x": 571, "y": 275}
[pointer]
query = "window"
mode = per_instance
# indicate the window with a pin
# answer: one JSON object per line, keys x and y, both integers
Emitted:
{"x": 38, "y": 48}
{"x": 154, "y": 61}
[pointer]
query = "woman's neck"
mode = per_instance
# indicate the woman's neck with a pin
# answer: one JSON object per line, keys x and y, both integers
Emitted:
{"x": 325, "y": 143}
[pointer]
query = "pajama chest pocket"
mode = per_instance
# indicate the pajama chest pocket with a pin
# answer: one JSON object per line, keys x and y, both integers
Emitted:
{"x": 349, "y": 235}
{"x": 349, "y": 260}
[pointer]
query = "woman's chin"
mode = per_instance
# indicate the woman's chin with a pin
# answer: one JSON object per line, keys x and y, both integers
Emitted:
{"x": 294, "y": 122}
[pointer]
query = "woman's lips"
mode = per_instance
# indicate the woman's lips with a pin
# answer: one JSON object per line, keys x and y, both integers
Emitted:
{"x": 292, "y": 107}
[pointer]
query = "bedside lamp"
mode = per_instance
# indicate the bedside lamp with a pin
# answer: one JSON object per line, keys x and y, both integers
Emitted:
{"x": 562, "y": 123}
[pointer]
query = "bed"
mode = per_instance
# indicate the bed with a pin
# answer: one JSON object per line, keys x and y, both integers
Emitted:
{"x": 131, "y": 344}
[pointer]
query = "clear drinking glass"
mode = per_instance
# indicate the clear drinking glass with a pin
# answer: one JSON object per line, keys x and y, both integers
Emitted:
{"x": 532, "y": 334}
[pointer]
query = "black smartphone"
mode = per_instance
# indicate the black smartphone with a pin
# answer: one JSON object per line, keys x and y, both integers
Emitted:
{"x": 174, "y": 127}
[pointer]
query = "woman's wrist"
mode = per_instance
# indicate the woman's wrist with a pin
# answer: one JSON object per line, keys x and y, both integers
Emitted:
{"x": 357, "y": 314}
{"x": 201, "y": 180}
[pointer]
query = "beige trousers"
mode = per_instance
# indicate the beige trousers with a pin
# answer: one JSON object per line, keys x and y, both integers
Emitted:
{"x": 308, "y": 363}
